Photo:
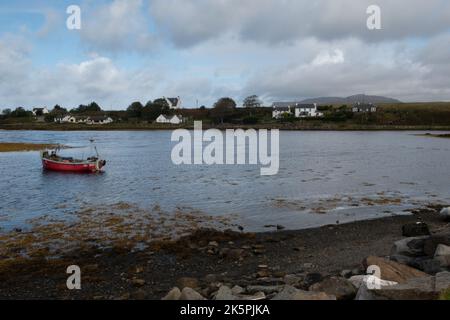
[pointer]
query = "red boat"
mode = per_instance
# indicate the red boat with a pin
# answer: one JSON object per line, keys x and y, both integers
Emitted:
{"x": 53, "y": 162}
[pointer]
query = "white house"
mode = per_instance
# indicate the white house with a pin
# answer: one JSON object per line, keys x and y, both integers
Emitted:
{"x": 70, "y": 119}
{"x": 307, "y": 111}
{"x": 174, "y": 103}
{"x": 296, "y": 109}
{"x": 176, "y": 119}
{"x": 80, "y": 119}
{"x": 279, "y": 112}
{"x": 364, "y": 108}
{"x": 40, "y": 111}
{"x": 99, "y": 120}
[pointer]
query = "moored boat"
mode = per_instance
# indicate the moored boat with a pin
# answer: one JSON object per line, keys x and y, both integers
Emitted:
{"x": 54, "y": 162}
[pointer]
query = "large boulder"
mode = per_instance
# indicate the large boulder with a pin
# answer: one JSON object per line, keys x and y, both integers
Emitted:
{"x": 366, "y": 284}
{"x": 434, "y": 241}
{"x": 425, "y": 288}
{"x": 416, "y": 229}
{"x": 445, "y": 213}
{"x": 187, "y": 282}
{"x": 412, "y": 247}
{"x": 189, "y": 294}
{"x": 442, "y": 255}
{"x": 442, "y": 250}
{"x": 291, "y": 293}
{"x": 392, "y": 271}
{"x": 341, "y": 288}
{"x": 173, "y": 294}
{"x": 225, "y": 293}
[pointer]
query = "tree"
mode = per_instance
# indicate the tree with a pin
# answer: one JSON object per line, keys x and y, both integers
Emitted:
{"x": 21, "y": 113}
{"x": 223, "y": 108}
{"x": 135, "y": 110}
{"x": 6, "y": 112}
{"x": 58, "y": 109}
{"x": 252, "y": 102}
{"x": 90, "y": 108}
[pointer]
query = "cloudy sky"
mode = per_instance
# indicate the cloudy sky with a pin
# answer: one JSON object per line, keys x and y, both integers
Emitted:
{"x": 130, "y": 50}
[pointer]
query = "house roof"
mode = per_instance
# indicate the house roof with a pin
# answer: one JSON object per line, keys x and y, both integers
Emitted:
{"x": 281, "y": 108}
{"x": 364, "y": 105}
{"x": 277, "y": 105}
{"x": 173, "y": 101}
{"x": 305, "y": 105}
{"x": 98, "y": 118}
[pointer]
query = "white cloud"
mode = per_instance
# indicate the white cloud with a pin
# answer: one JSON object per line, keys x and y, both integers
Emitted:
{"x": 120, "y": 25}
{"x": 335, "y": 57}
{"x": 190, "y": 22}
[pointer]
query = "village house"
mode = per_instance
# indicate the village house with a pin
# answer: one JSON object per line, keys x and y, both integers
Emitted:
{"x": 84, "y": 119}
{"x": 176, "y": 119}
{"x": 174, "y": 103}
{"x": 296, "y": 109}
{"x": 40, "y": 111}
{"x": 364, "y": 108}
{"x": 99, "y": 120}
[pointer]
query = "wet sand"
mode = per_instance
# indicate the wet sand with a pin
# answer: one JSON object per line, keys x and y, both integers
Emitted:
{"x": 120, "y": 271}
{"x": 16, "y": 147}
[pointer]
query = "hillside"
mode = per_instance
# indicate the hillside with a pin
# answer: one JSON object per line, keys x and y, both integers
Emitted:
{"x": 351, "y": 100}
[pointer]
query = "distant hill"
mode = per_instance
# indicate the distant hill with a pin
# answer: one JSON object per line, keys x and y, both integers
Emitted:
{"x": 352, "y": 100}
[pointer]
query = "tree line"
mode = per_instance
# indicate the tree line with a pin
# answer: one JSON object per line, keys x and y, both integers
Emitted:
{"x": 224, "y": 110}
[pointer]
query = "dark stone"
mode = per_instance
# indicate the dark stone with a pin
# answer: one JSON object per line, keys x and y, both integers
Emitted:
{"x": 310, "y": 279}
{"x": 415, "y": 229}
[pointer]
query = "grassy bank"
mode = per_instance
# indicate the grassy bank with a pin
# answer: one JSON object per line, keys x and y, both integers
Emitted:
{"x": 15, "y": 147}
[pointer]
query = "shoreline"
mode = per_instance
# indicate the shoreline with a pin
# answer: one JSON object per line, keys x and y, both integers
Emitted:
{"x": 24, "y": 147}
{"x": 162, "y": 127}
{"x": 229, "y": 257}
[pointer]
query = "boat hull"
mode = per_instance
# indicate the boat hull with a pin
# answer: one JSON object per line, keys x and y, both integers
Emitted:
{"x": 82, "y": 167}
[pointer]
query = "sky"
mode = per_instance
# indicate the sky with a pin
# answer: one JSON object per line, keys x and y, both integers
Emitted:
{"x": 201, "y": 50}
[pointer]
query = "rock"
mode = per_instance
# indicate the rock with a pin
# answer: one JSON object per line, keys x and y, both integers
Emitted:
{"x": 442, "y": 250}
{"x": 308, "y": 265}
{"x": 225, "y": 293}
{"x": 211, "y": 278}
{"x": 370, "y": 282}
{"x": 425, "y": 288}
{"x": 187, "y": 282}
{"x": 415, "y": 229}
{"x": 139, "y": 295}
{"x": 291, "y": 293}
{"x": 292, "y": 279}
{"x": 434, "y": 241}
{"x": 346, "y": 273}
{"x": 311, "y": 278}
{"x": 445, "y": 213}
{"x": 264, "y": 273}
{"x": 189, "y": 294}
{"x": 138, "y": 282}
{"x": 236, "y": 290}
{"x": 444, "y": 261}
{"x": 341, "y": 288}
{"x": 393, "y": 271}
{"x": 257, "y": 296}
{"x": 430, "y": 266}
{"x": 357, "y": 281}
{"x": 264, "y": 289}
{"x": 213, "y": 244}
{"x": 412, "y": 247}
{"x": 173, "y": 294}
{"x": 409, "y": 261}
{"x": 235, "y": 254}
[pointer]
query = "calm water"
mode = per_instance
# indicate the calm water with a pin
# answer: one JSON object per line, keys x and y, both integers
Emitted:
{"x": 323, "y": 177}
